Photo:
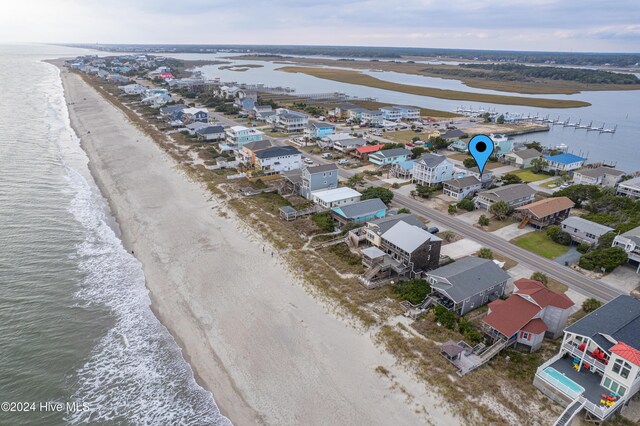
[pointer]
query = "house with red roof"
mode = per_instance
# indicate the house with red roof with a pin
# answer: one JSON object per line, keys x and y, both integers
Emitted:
{"x": 363, "y": 152}
{"x": 597, "y": 368}
{"x": 530, "y": 314}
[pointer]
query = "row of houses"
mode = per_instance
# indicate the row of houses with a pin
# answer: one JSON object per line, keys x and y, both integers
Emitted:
{"x": 376, "y": 117}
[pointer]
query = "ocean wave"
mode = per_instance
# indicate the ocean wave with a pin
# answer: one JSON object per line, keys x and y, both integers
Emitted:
{"x": 136, "y": 374}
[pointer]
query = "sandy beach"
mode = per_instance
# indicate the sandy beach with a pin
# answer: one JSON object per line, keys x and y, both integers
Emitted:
{"x": 268, "y": 351}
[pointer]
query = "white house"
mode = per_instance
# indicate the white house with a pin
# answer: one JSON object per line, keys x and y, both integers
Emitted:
{"x": 346, "y": 145}
{"x": 432, "y": 169}
{"x": 462, "y": 187}
{"x": 278, "y": 159}
{"x": 190, "y": 115}
{"x": 629, "y": 188}
{"x": 133, "y": 89}
{"x": 290, "y": 121}
{"x": 603, "y": 176}
{"x": 630, "y": 242}
{"x": 336, "y": 197}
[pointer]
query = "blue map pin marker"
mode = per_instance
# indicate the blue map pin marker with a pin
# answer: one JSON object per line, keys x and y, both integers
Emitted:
{"x": 481, "y": 148}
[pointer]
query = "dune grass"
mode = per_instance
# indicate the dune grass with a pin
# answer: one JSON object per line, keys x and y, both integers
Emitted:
{"x": 355, "y": 77}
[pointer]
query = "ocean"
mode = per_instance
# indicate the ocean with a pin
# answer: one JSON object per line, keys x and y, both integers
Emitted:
{"x": 78, "y": 340}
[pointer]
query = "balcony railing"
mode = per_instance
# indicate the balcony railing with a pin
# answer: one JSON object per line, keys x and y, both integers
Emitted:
{"x": 557, "y": 384}
{"x": 573, "y": 350}
{"x": 600, "y": 411}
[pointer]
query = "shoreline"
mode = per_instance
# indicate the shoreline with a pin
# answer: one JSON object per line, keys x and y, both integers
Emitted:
{"x": 322, "y": 385}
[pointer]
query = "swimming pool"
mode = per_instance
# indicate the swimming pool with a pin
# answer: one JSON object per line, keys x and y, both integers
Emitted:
{"x": 564, "y": 383}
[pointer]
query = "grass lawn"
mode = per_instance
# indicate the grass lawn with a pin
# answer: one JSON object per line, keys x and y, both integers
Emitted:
{"x": 403, "y": 136}
{"x": 538, "y": 242}
{"x": 528, "y": 175}
{"x": 552, "y": 183}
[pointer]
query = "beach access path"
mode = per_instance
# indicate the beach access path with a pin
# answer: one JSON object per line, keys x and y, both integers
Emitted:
{"x": 269, "y": 352}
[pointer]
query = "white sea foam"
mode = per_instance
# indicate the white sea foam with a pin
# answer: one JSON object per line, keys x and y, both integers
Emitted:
{"x": 136, "y": 374}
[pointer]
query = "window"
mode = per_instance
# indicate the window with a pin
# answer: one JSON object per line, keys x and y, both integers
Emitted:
{"x": 614, "y": 386}
{"x": 525, "y": 336}
{"x": 622, "y": 368}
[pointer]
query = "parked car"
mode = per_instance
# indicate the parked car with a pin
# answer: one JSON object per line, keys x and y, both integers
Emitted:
{"x": 564, "y": 185}
{"x": 433, "y": 230}
{"x": 327, "y": 155}
{"x": 343, "y": 161}
{"x": 308, "y": 161}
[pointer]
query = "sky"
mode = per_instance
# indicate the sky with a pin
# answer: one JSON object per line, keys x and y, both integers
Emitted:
{"x": 548, "y": 25}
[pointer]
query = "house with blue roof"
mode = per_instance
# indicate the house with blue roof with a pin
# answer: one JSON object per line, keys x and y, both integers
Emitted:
{"x": 564, "y": 162}
{"x": 403, "y": 170}
{"x": 362, "y": 211}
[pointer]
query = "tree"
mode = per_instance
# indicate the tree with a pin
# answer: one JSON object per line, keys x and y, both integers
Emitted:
{"x": 552, "y": 231}
{"x": 539, "y": 164}
{"x": 510, "y": 178}
{"x": 562, "y": 238}
{"x": 469, "y": 163}
{"x": 500, "y": 209}
{"x": 485, "y": 253}
{"x": 467, "y": 204}
{"x": 404, "y": 210}
{"x": 452, "y": 209}
{"x": 583, "y": 247}
{"x": 355, "y": 180}
{"x": 417, "y": 152}
{"x": 541, "y": 277}
{"x": 386, "y": 195}
{"x": 500, "y": 119}
{"x": 486, "y": 117}
{"x": 535, "y": 145}
{"x": 424, "y": 191}
{"x": 438, "y": 142}
{"x": 606, "y": 240}
{"x": 415, "y": 139}
{"x": 591, "y": 305}
{"x": 414, "y": 291}
{"x": 483, "y": 220}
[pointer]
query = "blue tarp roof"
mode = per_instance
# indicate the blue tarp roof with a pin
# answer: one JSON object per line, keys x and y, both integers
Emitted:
{"x": 565, "y": 158}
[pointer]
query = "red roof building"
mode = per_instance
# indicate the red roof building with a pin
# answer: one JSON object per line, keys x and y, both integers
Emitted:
{"x": 531, "y": 313}
{"x": 627, "y": 352}
{"x": 167, "y": 75}
{"x": 364, "y": 151}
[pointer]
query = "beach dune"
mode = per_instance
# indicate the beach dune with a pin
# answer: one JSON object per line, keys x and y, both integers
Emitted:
{"x": 267, "y": 350}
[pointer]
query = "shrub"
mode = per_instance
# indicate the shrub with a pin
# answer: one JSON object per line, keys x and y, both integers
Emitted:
{"x": 552, "y": 231}
{"x": 467, "y": 204}
{"x": 483, "y": 220}
{"x": 606, "y": 258}
{"x": 510, "y": 178}
{"x": 386, "y": 195}
{"x": 539, "y": 276}
{"x": 562, "y": 238}
{"x": 323, "y": 221}
{"x": 469, "y": 163}
{"x": 445, "y": 316}
{"x": 452, "y": 209}
{"x": 485, "y": 253}
{"x": 583, "y": 247}
{"x": 500, "y": 209}
{"x": 414, "y": 291}
{"x": 591, "y": 305}
{"x": 404, "y": 210}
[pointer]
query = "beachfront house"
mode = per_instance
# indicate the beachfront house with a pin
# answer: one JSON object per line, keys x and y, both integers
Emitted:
{"x": 360, "y": 212}
{"x": 237, "y": 136}
{"x": 432, "y": 169}
{"x": 319, "y": 130}
{"x": 172, "y": 112}
{"x": 190, "y": 115}
{"x": 348, "y": 144}
{"x": 583, "y": 230}
{"x": 629, "y": 188}
{"x": 372, "y": 232}
{"x": 211, "y": 133}
{"x": 530, "y": 314}
{"x": 389, "y": 156}
{"x": 249, "y": 149}
{"x": 193, "y": 127}
{"x": 515, "y": 195}
{"x": 540, "y": 214}
{"x": 290, "y": 121}
{"x": 602, "y": 176}
{"x": 460, "y": 188}
{"x": 597, "y": 368}
{"x": 564, "y": 162}
{"x": 522, "y": 159}
{"x": 335, "y": 197}
{"x": 278, "y": 159}
{"x": 630, "y": 242}
{"x": 318, "y": 178}
{"x": 133, "y": 89}
{"x": 404, "y": 249}
{"x": 467, "y": 284}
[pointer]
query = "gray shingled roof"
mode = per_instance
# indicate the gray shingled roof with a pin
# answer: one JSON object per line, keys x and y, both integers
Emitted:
{"x": 600, "y": 171}
{"x": 322, "y": 168}
{"x": 633, "y": 234}
{"x": 632, "y": 182}
{"x": 509, "y": 192}
{"x": 431, "y": 160}
{"x": 385, "y": 223}
{"x": 361, "y": 208}
{"x": 455, "y": 133}
{"x": 585, "y": 225}
{"x": 619, "y": 319}
{"x": 408, "y": 237}
{"x": 463, "y": 182}
{"x": 209, "y": 130}
{"x": 394, "y": 152}
{"x": 467, "y": 277}
{"x": 525, "y": 154}
{"x": 277, "y": 151}
{"x": 257, "y": 145}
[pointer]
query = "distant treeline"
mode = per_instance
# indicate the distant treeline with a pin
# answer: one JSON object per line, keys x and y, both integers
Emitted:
{"x": 582, "y": 59}
{"x": 517, "y": 72}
